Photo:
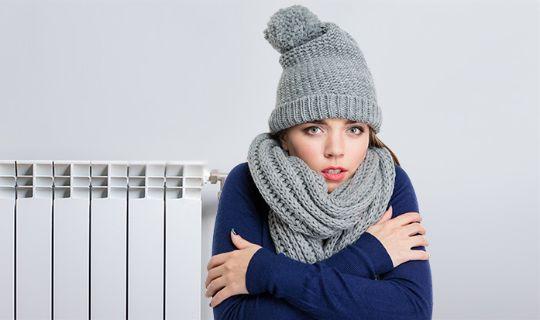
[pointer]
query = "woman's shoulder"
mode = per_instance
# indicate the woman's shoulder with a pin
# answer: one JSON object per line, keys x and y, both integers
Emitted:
{"x": 239, "y": 181}
{"x": 402, "y": 179}
{"x": 403, "y": 198}
{"x": 239, "y": 175}
{"x": 239, "y": 192}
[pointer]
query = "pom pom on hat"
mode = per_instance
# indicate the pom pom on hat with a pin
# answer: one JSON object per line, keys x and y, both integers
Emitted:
{"x": 291, "y": 27}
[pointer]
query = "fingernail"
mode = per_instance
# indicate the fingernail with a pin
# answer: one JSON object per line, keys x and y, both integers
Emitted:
{"x": 234, "y": 232}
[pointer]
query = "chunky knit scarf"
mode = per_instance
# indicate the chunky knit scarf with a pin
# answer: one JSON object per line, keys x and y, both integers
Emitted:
{"x": 306, "y": 222}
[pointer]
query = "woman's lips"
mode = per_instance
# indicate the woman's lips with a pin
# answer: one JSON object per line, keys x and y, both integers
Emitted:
{"x": 334, "y": 177}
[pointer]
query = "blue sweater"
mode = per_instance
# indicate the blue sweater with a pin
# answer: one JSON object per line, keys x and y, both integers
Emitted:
{"x": 358, "y": 282}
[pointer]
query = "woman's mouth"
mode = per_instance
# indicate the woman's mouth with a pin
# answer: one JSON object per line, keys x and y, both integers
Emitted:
{"x": 334, "y": 173}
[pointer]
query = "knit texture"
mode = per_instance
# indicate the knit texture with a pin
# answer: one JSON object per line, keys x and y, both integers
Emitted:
{"x": 306, "y": 222}
{"x": 324, "y": 73}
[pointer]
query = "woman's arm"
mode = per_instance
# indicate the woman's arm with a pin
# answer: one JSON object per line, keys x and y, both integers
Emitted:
{"x": 323, "y": 291}
{"x": 236, "y": 209}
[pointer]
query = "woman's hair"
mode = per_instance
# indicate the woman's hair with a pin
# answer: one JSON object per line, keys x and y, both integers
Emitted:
{"x": 374, "y": 141}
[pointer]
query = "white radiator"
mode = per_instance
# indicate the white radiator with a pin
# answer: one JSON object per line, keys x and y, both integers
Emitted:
{"x": 100, "y": 239}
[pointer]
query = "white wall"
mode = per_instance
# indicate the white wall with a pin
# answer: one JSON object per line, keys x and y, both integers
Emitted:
{"x": 168, "y": 80}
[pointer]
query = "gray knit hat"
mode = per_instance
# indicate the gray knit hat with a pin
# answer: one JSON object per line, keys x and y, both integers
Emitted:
{"x": 324, "y": 74}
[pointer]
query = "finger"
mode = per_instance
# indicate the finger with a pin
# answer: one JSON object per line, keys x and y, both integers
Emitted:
{"x": 217, "y": 260}
{"x": 417, "y": 241}
{"x": 220, "y": 296}
{"x": 419, "y": 255}
{"x": 386, "y": 216}
{"x": 240, "y": 242}
{"x": 408, "y": 217}
{"x": 213, "y": 274}
{"x": 413, "y": 228}
{"x": 215, "y": 286}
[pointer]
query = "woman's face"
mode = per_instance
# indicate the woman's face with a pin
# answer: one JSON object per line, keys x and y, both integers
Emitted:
{"x": 329, "y": 142}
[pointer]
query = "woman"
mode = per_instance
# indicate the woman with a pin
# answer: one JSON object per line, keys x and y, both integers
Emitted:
{"x": 321, "y": 222}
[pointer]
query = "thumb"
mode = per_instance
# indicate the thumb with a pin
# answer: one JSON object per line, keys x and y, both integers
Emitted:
{"x": 238, "y": 241}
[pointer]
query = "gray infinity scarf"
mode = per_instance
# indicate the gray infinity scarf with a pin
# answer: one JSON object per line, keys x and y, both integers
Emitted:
{"x": 306, "y": 222}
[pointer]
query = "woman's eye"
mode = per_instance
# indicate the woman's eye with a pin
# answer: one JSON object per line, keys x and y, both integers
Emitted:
{"x": 308, "y": 130}
{"x": 360, "y": 129}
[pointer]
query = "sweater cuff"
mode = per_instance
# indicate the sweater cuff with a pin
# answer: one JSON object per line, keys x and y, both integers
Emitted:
{"x": 259, "y": 271}
{"x": 276, "y": 274}
{"x": 380, "y": 259}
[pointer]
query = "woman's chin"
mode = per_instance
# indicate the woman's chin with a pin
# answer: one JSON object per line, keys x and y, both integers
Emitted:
{"x": 332, "y": 186}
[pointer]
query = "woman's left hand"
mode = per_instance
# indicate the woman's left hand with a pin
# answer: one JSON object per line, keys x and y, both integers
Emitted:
{"x": 227, "y": 271}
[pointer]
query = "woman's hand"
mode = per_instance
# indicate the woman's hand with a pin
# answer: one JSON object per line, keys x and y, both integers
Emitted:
{"x": 227, "y": 271}
{"x": 396, "y": 235}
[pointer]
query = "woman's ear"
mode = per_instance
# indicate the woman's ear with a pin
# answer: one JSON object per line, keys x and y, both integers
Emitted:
{"x": 283, "y": 140}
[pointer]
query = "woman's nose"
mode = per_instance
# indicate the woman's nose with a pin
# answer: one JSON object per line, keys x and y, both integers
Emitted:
{"x": 334, "y": 146}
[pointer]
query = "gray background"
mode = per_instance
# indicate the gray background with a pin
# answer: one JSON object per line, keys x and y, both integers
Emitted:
{"x": 457, "y": 81}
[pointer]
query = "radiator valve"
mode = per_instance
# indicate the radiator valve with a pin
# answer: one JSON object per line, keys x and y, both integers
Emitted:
{"x": 215, "y": 177}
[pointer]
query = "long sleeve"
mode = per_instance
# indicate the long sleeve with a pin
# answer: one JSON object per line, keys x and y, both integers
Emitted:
{"x": 236, "y": 209}
{"x": 323, "y": 291}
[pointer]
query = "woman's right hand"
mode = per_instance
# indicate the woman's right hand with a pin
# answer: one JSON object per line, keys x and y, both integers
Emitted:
{"x": 397, "y": 236}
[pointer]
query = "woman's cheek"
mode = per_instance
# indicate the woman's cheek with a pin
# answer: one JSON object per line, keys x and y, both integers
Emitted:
{"x": 311, "y": 157}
